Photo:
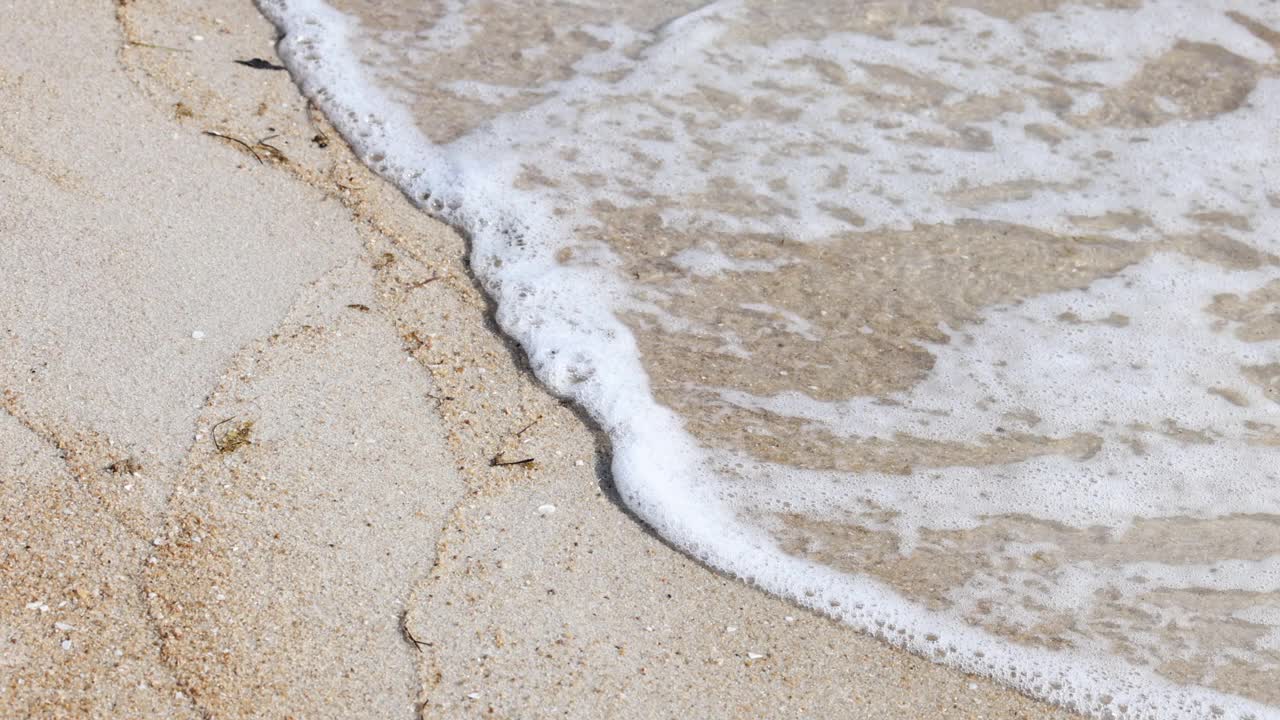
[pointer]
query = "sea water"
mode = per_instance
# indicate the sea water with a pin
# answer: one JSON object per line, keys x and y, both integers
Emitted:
{"x": 956, "y": 321}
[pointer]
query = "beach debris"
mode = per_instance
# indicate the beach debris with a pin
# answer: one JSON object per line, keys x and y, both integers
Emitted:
{"x": 473, "y": 696}
{"x": 259, "y": 64}
{"x": 238, "y": 141}
{"x": 499, "y": 461}
{"x": 66, "y": 644}
{"x": 197, "y": 334}
{"x": 257, "y": 149}
{"x": 440, "y": 399}
{"x": 408, "y": 635}
{"x": 754, "y": 656}
{"x": 150, "y": 46}
{"x": 350, "y": 184}
{"x": 271, "y": 150}
{"x": 37, "y": 605}
{"x": 416, "y": 340}
{"x": 232, "y": 439}
{"x": 422, "y": 283}
{"x": 359, "y": 306}
{"x": 320, "y": 139}
{"x": 417, "y": 644}
{"x": 546, "y": 509}
{"x": 64, "y": 627}
{"x": 526, "y": 428}
{"x": 127, "y": 466}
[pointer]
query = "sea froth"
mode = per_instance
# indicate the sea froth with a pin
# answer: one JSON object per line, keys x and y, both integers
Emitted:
{"x": 954, "y": 321}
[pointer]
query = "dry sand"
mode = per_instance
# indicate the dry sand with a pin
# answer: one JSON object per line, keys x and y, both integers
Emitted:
{"x": 358, "y": 556}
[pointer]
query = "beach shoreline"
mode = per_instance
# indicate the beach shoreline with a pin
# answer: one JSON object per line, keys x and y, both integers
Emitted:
{"x": 268, "y": 457}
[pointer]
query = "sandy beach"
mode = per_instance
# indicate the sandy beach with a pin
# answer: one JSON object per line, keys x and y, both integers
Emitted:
{"x": 265, "y": 455}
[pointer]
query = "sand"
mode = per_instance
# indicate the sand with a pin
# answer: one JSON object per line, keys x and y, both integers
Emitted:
{"x": 252, "y": 402}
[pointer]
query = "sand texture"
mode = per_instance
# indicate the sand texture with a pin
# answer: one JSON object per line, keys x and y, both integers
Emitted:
{"x": 252, "y": 403}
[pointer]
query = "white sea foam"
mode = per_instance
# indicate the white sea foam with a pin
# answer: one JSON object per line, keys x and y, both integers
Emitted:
{"x": 1071, "y": 378}
{"x": 1076, "y": 378}
{"x": 707, "y": 262}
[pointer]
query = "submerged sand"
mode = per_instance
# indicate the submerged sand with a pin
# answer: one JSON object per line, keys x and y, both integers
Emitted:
{"x": 360, "y": 555}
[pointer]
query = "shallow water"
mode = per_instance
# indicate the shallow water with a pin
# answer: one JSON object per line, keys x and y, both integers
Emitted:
{"x": 959, "y": 321}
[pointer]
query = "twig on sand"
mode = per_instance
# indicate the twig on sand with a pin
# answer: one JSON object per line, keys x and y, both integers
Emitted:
{"x": 238, "y": 141}
{"x": 526, "y": 427}
{"x": 213, "y": 432}
{"x": 498, "y": 462}
{"x": 404, "y": 628}
{"x": 417, "y": 644}
{"x": 233, "y": 439}
{"x": 420, "y": 283}
{"x": 257, "y": 148}
{"x": 277, "y": 152}
{"x": 441, "y": 399}
{"x": 139, "y": 43}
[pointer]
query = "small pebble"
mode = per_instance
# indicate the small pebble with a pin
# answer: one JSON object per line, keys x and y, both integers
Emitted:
{"x": 579, "y": 463}
{"x": 197, "y": 38}
{"x": 66, "y": 644}
{"x": 64, "y": 627}
{"x": 474, "y": 696}
{"x": 754, "y": 656}
{"x": 546, "y": 509}
{"x": 197, "y": 335}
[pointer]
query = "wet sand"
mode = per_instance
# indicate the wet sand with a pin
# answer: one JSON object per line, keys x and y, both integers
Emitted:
{"x": 252, "y": 408}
